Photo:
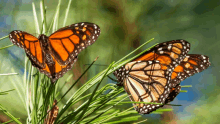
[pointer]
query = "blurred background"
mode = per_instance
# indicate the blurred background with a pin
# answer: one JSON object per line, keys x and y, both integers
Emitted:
{"x": 125, "y": 25}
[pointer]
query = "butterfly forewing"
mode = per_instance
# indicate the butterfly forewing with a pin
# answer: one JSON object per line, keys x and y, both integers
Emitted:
{"x": 30, "y": 44}
{"x": 68, "y": 42}
{"x": 170, "y": 53}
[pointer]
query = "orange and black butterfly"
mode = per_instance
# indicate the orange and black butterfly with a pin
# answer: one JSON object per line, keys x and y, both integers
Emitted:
{"x": 151, "y": 77}
{"x": 56, "y": 54}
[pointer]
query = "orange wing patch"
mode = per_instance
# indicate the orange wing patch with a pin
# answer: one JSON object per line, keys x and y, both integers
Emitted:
{"x": 75, "y": 39}
{"x": 32, "y": 48}
{"x": 39, "y": 52}
{"x": 145, "y": 57}
{"x": 84, "y": 37}
{"x": 62, "y": 34}
{"x": 88, "y": 33}
{"x": 46, "y": 70}
{"x": 68, "y": 45}
{"x": 84, "y": 29}
{"x": 178, "y": 45}
{"x": 27, "y": 44}
{"x": 164, "y": 60}
{"x": 59, "y": 49}
{"x": 176, "y": 70}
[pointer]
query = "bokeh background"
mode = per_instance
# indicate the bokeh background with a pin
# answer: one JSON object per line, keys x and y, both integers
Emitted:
{"x": 125, "y": 25}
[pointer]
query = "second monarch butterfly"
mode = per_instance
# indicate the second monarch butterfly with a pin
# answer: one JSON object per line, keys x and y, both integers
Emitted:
{"x": 153, "y": 76}
{"x": 56, "y": 54}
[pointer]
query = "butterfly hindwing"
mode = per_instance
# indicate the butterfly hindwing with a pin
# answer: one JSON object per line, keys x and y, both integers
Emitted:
{"x": 68, "y": 42}
{"x": 56, "y": 71}
{"x": 173, "y": 93}
{"x": 146, "y": 81}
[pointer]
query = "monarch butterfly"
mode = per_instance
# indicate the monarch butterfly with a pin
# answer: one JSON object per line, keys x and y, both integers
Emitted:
{"x": 151, "y": 77}
{"x": 56, "y": 54}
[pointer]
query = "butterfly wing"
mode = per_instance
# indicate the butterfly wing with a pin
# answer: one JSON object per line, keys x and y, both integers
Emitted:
{"x": 56, "y": 71}
{"x": 193, "y": 63}
{"x": 146, "y": 81}
{"x": 30, "y": 44}
{"x": 68, "y": 42}
{"x": 170, "y": 53}
{"x": 173, "y": 93}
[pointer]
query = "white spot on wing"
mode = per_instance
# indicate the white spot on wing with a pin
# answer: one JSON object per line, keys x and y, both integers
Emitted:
{"x": 95, "y": 26}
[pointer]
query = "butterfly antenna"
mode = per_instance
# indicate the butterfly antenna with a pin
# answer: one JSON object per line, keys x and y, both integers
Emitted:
{"x": 112, "y": 79}
{"x": 118, "y": 84}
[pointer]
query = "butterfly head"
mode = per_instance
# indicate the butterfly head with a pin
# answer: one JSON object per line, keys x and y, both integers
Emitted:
{"x": 43, "y": 39}
{"x": 120, "y": 74}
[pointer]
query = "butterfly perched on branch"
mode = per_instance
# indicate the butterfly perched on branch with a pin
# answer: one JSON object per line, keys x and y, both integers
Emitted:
{"x": 155, "y": 76}
{"x": 56, "y": 54}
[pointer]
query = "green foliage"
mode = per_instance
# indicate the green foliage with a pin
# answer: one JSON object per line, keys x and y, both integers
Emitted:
{"x": 124, "y": 26}
{"x": 37, "y": 92}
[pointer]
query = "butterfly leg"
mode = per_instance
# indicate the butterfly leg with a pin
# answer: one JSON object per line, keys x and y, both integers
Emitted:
{"x": 118, "y": 84}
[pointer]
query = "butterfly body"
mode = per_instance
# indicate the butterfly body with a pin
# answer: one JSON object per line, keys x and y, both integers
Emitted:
{"x": 56, "y": 54}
